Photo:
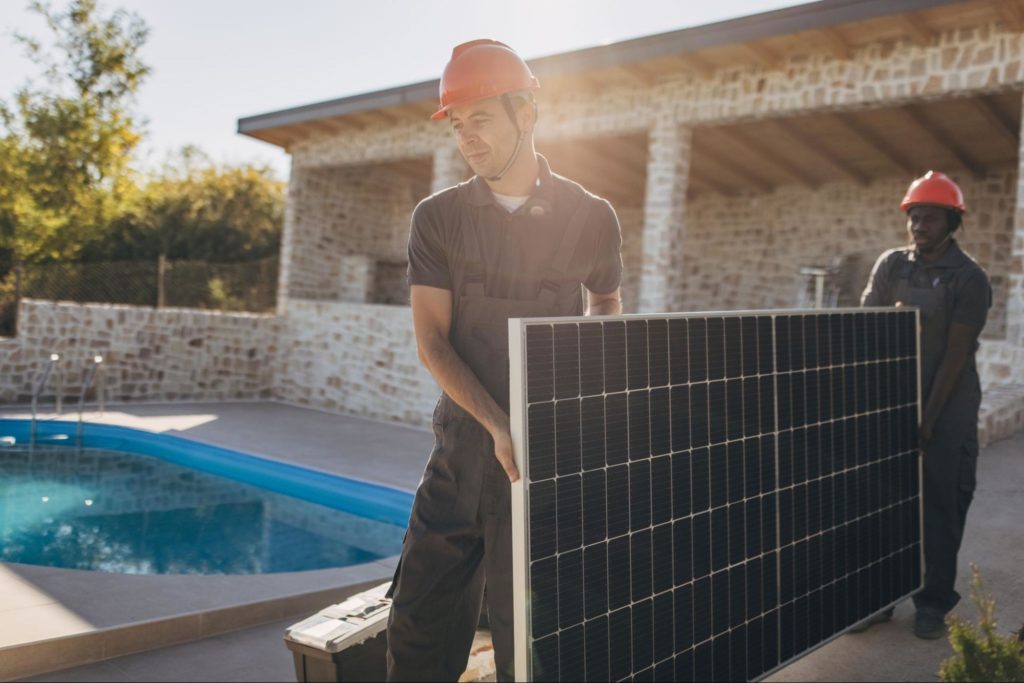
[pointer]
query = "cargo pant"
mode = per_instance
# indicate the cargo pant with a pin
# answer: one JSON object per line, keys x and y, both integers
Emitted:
{"x": 460, "y": 530}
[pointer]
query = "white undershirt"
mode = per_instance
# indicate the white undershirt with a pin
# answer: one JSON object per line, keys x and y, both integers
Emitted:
{"x": 509, "y": 202}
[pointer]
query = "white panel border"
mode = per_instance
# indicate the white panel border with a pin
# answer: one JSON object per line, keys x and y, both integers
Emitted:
{"x": 520, "y": 504}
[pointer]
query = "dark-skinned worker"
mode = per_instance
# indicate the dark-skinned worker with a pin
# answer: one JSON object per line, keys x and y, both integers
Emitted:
{"x": 953, "y": 295}
{"x": 515, "y": 240}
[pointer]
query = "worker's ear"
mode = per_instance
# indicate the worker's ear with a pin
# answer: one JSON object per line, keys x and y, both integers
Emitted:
{"x": 954, "y": 219}
{"x": 526, "y": 113}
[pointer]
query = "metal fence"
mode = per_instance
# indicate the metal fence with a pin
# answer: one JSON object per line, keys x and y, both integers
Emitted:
{"x": 247, "y": 286}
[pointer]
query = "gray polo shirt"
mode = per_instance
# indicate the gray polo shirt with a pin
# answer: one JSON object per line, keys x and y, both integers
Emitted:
{"x": 516, "y": 246}
{"x": 968, "y": 300}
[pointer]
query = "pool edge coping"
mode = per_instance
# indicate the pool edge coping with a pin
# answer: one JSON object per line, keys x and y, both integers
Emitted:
{"x": 63, "y": 652}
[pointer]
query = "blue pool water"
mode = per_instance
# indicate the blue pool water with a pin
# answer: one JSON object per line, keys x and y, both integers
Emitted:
{"x": 144, "y": 512}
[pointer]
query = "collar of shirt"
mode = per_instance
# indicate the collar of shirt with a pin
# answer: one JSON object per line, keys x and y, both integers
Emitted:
{"x": 541, "y": 198}
{"x": 953, "y": 257}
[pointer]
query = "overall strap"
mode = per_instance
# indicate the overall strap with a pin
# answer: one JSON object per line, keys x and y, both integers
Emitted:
{"x": 556, "y": 272}
{"x": 476, "y": 273}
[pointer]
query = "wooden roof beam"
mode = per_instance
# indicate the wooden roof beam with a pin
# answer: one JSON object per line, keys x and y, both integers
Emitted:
{"x": 713, "y": 185}
{"x": 341, "y": 124}
{"x": 996, "y": 117}
{"x": 762, "y": 54}
{"x": 733, "y": 168}
{"x": 814, "y": 148}
{"x": 742, "y": 139}
{"x": 635, "y": 74}
{"x": 1011, "y": 12}
{"x": 873, "y": 141}
{"x": 944, "y": 140}
{"x": 386, "y": 116}
{"x": 697, "y": 64}
{"x": 624, "y": 153}
{"x": 835, "y": 42}
{"x": 589, "y": 157}
{"x": 915, "y": 28}
{"x": 411, "y": 170}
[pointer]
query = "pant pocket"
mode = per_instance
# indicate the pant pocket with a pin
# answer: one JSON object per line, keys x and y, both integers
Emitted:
{"x": 968, "y": 479}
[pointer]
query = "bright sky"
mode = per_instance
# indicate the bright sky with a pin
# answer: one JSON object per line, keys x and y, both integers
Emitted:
{"x": 215, "y": 61}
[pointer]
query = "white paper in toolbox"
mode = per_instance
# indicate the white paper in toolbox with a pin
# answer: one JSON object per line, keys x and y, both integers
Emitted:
{"x": 348, "y": 623}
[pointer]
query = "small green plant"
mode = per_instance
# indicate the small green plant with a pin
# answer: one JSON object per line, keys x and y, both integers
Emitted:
{"x": 221, "y": 298}
{"x": 981, "y": 653}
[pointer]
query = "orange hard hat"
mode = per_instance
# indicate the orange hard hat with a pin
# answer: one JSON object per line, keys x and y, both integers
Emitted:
{"x": 480, "y": 69}
{"x": 936, "y": 189}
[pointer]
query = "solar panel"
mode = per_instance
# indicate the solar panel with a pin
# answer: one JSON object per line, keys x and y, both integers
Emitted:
{"x": 709, "y": 496}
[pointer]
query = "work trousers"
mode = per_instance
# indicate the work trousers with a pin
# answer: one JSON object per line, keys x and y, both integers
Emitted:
{"x": 459, "y": 538}
{"x": 950, "y": 473}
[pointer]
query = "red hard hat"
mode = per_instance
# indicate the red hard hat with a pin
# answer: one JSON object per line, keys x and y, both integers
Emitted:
{"x": 480, "y": 69}
{"x": 934, "y": 188}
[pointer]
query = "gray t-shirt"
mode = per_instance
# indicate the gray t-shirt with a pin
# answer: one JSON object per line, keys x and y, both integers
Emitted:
{"x": 515, "y": 247}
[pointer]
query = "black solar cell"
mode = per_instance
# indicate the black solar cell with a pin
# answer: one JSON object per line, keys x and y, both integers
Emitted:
{"x": 708, "y": 496}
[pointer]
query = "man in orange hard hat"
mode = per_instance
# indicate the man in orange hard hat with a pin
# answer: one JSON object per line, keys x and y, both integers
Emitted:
{"x": 953, "y": 295}
{"x": 516, "y": 240}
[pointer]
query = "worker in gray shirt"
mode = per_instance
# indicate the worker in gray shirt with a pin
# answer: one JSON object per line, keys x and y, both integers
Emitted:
{"x": 953, "y": 295}
{"x": 515, "y": 241}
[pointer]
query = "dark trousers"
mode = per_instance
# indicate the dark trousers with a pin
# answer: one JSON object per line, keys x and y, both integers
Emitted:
{"x": 459, "y": 537}
{"x": 950, "y": 468}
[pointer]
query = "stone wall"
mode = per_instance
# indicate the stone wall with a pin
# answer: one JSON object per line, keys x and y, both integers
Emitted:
{"x": 352, "y": 358}
{"x": 150, "y": 354}
{"x": 348, "y": 358}
{"x": 745, "y": 252}
{"x": 353, "y": 211}
{"x": 970, "y": 60}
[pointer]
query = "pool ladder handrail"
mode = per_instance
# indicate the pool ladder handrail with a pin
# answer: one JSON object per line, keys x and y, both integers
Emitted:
{"x": 90, "y": 373}
{"x": 40, "y": 384}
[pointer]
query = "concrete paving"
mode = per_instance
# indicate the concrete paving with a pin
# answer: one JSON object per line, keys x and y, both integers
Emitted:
{"x": 889, "y": 652}
{"x": 45, "y": 603}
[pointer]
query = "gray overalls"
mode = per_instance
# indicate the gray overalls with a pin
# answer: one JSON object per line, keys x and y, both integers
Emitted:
{"x": 460, "y": 532}
{"x": 951, "y": 457}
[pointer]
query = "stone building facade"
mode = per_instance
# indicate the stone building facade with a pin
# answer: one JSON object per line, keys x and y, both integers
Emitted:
{"x": 871, "y": 93}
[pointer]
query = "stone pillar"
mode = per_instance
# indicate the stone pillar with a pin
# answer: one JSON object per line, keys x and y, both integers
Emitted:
{"x": 1015, "y": 293}
{"x": 449, "y": 167}
{"x": 356, "y": 278}
{"x": 288, "y": 237}
{"x": 668, "y": 171}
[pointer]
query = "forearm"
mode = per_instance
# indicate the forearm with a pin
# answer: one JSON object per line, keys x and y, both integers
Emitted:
{"x": 462, "y": 385}
{"x": 945, "y": 381}
{"x": 610, "y": 306}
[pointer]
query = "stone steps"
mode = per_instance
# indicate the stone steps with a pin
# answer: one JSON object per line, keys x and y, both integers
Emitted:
{"x": 1002, "y": 412}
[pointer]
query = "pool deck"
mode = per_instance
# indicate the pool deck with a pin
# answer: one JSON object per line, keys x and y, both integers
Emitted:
{"x": 50, "y": 617}
{"x": 887, "y": 652}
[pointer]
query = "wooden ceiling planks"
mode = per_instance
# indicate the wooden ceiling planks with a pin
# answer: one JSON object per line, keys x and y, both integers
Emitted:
{"x": 873, "y": 140}
{"x": 742, "y": 137}
{"x": 614, "y": 167}
{"x": 1011, "y": 12}
{"x": 944, "y": 136}
{"x": 957, "y": 134}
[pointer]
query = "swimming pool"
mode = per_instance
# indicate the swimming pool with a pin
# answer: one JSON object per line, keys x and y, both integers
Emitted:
{"x": 135, "y": 502}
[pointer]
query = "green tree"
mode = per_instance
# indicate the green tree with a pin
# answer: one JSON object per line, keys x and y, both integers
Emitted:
{"x": 67, "y": 138}
{"x": 197, "y": 210}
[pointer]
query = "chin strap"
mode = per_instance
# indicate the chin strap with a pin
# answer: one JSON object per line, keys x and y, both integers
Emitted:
{"x": 949, "y": 236}
{"x": 520, "y": 138}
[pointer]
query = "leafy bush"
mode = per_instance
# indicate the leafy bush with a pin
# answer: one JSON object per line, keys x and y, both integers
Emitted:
{"x": 981, "y": 653}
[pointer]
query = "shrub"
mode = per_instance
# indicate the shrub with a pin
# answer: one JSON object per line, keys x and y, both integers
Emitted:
{"x": 981, "y": 653}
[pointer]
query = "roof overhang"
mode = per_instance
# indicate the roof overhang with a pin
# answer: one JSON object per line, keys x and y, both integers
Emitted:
{"x": 281, "y": 127}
